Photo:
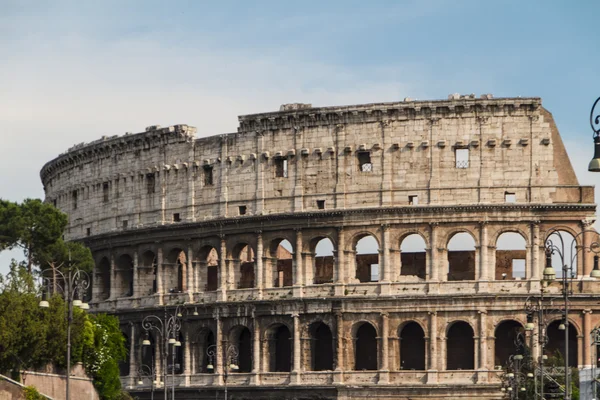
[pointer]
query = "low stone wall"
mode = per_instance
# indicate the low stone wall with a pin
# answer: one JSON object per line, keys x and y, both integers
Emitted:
{"x": 10, "y": 390}
{"x": 54, "y": 385}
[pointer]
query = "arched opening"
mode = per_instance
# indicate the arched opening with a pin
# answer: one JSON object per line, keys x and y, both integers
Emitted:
{"x": 124, "y": 364}
{"x": 460, "y": 349}
{"x": 175, "y": 268}
{"x": 148, "y": 273}
{"x": 280, "y": 349}
{"x": 412, "y": 347}
{"x": 321, "y": 347}
{"x": 461, "y": 257}
{"x": 241, "y": 338}
{"x": 176, "y": 365}
{"x": 102, "y": 276}
{"x": 562, "y": 243}
{"x": 323, "y": 261}
{"x": 244, "y": 264}
{"x": 208, "y": 270}
{"x": 555, "y": 349}
{"x": 124, "y": 275}
{"x": 148, "y": 352}
{"x": 367, "y": 259}
{"x": 206, "y": 339}
{"x": 281, "y": 264}
{"x": 413, "y": 256}
{"x": 510, "y": 256}
{"x": 365, "y": 353}
{"x": 510, "y": 340}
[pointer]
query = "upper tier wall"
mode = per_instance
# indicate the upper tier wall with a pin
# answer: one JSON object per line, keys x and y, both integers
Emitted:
{"x": 164, "y": 175}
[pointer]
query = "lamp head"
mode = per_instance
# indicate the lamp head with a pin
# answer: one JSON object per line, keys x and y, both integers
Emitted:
{"x": 594, "y": 165}
{"x": 145, "y": 342}
{"x": 172, "y": 340}
{"x": 210, "y": 367}
{"x": 44, "y": 304}
{"x": 140, "y": 382}
{"x": 85, "y": 306}
{"x": 519, "y": 357}
{"x": 530, "y": 375}
{"x": 596, "y": 271}
{"x": 234, "y": 367}
{"x": 510, "y": 375}
{"x": 178, "y": 344}
{"x": 562, "y": 326}
{"x": 77, "y": 303}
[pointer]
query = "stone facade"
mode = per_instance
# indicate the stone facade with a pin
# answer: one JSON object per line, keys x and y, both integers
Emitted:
{"x": 175, "y": 220}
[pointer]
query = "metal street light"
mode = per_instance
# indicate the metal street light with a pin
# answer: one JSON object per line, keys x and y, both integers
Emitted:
{"x": 231, "y": 360}
{"x": 168, "y": 328}
{"x": 594, "y": 165}
{"x": 147, "y": 371}
{"x": 75, "y": 283}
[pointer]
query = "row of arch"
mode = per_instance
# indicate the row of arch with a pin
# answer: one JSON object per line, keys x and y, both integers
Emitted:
{"x": 318, "y": 352}
{"x": 279, "y": 260}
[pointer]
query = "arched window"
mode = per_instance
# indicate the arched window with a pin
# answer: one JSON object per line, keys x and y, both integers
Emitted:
{"x": 124, "y": 275}
{"x": 124, "y": 364}
{"x": 412, "y": 347}
{"x": 413, "y": 256}
{"x": 241, "y": 338}
{"x": 280, "y": 349}
{"x": 175, "y": 267}
{"x": 509, "y": 340}
{"x": 206, "y": 339}
{"x": 147, "y": 352}
{"x": 555, "y": 349}
{"x": 102, "y": 276}
{"x": 323, "y": 261}
{"x": 208, "y": 269}
{"x": 365, "y": 353}
{"x": 281, "y": 263}
{"x": 148, "y": 273}
{"x": 461, "y": 257}
{"x": 460, "y": 349}
{"x": 244, "y": 264}
{"x": 367, "y": 259}
{"x": 321, "y": 347}
{"x": 510, "y": 256}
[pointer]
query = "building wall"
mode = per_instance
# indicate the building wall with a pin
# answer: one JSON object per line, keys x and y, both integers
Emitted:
{"x": 514, "y": 148}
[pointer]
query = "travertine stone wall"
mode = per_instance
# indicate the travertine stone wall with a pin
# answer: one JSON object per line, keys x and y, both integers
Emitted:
{"x": 159, "y": 176}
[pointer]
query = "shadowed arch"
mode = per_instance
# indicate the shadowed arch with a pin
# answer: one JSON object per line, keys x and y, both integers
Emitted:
{"x": 321, "y": 347}
{"x": 366, "y": 349}
{"x": 102, "y": 277}
{"x": 412, "y": 346}
{"x": 460, "y": 346}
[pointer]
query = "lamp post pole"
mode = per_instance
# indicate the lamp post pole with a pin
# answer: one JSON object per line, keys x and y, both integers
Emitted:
{"x": 231, "y": 360}
{"x": 150, "y": 372}
{"x": 75, "y": 283}
{"x": 168, "y": 328}
{"x": 594, "y": 165}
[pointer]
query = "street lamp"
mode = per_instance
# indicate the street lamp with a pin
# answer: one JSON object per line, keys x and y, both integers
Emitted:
{"x": 555, "y": 244}
{"x": 231, "y": 361}
{"x": 595, "y": 343}
{"x": 168, "y": 328}
{"x": 149, "y": 371}
{"x": 594, "y": 165}
{"x": 75, "y": 283}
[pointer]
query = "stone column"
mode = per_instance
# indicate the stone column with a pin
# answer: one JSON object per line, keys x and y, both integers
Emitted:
{"x": 132, "y": 353}
{"x": 259, "y": 264}
{"x": 587, "y": 331}
{"x": 219, "y": 342}
{"x": 535, "y": 246}
{"x": 433, "y": 364}
{"x": 385, "y": 367}
{"x": 299, "y": 271}
{"x": 587, "y": 258}
{"x": 113, "y": 279}
{"x": 386, "y": 262}
{"x": 190, "y": 272}
{"x": 222, "y": 291}
{"x": 187, "y": 359}
{"x": 434, "y": 274}
{"x": 442, "y": 355}
{"x": 483, "y": 252}
{"x": 256, "y": 352}
{"x": 136, "y": 275}
{"x": 339, "y": 276}
{"x": 338, "y": 376}
{"x": 297, "y": 350}
{"x": 159, "y": 271}
{"x": 483, "y": 364}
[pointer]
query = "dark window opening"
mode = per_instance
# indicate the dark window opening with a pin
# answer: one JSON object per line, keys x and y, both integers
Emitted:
{"x": 176, "y": 217}
{"x": 245, "y": 351}
{"x": 88, "y": 231}
{"x": 321, "y": 347}
{"x": 281, "y": 350}
{"x": 413, "y": 200}
{"x": 206, "y": 340}
{"x": 242, "y": 210}
{"x": 74, "y": 197}
{"x": 364, "y": 161}
{"x": 323, "y": 262}
{"x": 460, "y": 347}
{"x": 125, "y": 224}
{"x": 365, "y": 354}
{"x": 208, "y": 175}
{"x": 150, "y": 183}
{"x": 412, "y": 347}
{"x": 54, "y": 202}
{"x": 247, "y": 275}
{"x": 211, "y": 278}
{"x": 556, "y": 343}
{"x": 413, "y": 263}
{"x": 124, "y": 275}
{"x": 281, "y": 167}
{"x": 462, "y": 158}
{"x": 105, "y": 192}
{"x": 321, "y": 204}
{"x": 509, "y": 341}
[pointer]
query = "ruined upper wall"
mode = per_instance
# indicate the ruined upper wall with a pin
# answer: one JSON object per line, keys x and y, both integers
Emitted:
{"x": 303, "y": 158}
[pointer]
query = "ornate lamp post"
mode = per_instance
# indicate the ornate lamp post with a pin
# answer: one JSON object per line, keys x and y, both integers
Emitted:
{"x": 168, "y": 328}
{"x": 594, "y": 165}
{"x": 231, "y": 361}
{"x": 147, "y": 371}
{"x": 595, "y": 359}
{"x": 73, "y": 284}
{"x": 555, "y": 244}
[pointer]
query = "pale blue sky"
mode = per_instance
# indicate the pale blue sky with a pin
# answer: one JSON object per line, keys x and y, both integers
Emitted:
{"x": 73, "y": 71}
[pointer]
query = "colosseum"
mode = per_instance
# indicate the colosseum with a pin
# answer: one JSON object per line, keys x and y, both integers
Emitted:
{"x": 381, "y": 250}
